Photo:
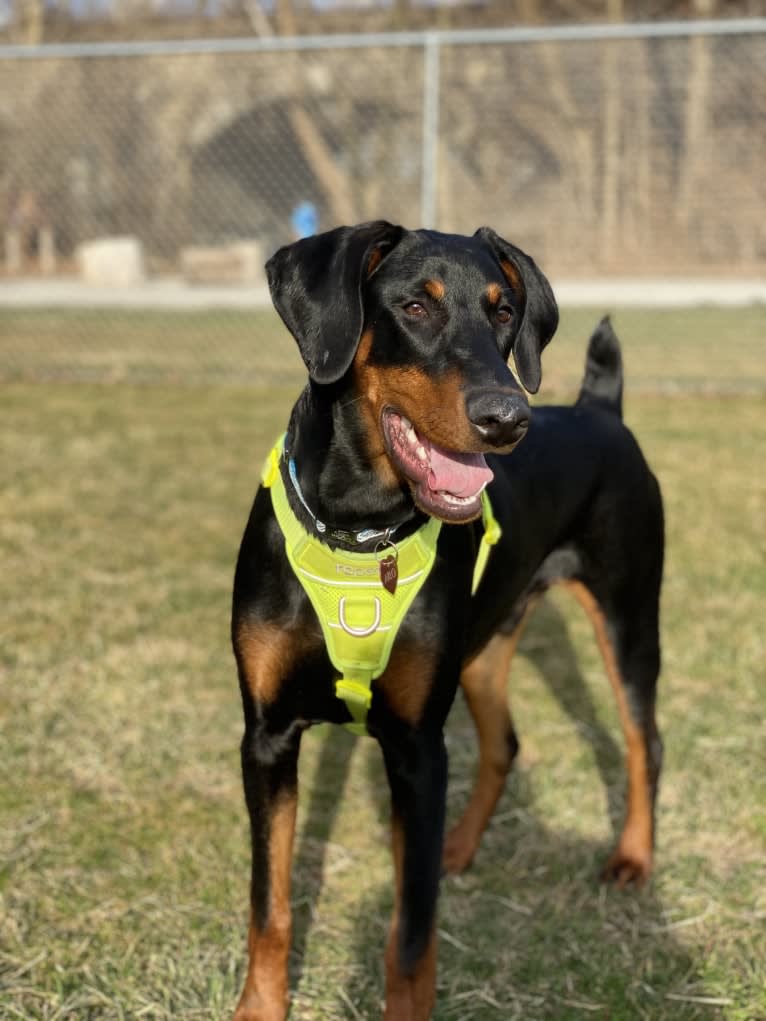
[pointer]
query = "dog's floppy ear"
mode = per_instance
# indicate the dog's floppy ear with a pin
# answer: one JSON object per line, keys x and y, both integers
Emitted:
{"x": 541, "y": 314}
{"x": 316, "y": 286}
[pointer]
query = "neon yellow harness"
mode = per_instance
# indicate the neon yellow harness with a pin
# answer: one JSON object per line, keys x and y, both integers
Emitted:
{"x": 359, "y": 617}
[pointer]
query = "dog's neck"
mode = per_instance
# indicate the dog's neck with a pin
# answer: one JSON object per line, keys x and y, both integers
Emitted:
{"x": 333, "y": 480}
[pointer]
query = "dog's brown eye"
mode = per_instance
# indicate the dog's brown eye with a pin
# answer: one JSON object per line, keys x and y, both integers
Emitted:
{"x": 504, "y": 314}
{"x": 415, "y": 310}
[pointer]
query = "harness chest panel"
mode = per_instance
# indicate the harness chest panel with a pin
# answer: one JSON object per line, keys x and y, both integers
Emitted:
{"x": 359, "y": 617}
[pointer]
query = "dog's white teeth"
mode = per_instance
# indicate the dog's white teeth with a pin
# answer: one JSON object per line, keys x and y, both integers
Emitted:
{"x": 405, "y": 423}
{"x": 412, "y": 436}
{"x": 459, "y": 501}
{"x": 421, "y": 454}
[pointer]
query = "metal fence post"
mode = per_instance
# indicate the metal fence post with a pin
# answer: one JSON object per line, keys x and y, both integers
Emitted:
{"x": 428, "y": 186}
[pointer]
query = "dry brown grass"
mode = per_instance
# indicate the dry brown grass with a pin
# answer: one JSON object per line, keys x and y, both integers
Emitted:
{"x": 123, "y": 842}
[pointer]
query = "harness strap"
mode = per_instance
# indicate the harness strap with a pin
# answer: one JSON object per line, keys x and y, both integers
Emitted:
{"x": 492, "y": 533}
{"x": 360, "y": 619}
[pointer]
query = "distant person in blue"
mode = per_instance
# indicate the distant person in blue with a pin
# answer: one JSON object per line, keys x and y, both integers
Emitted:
{"x": 304, "y": 220}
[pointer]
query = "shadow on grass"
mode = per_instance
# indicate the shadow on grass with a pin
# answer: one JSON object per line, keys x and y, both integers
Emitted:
{"x": 528, "y": 932}
{"x": 548, "y": 646}
{"x": 324, "y": 799}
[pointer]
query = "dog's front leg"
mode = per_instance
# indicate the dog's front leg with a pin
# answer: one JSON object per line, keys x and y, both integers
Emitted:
{"x": 269, "y": 770}
{"x": 417, "y": 775}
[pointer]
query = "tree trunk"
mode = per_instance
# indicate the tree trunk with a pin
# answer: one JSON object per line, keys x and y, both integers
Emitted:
{"x": 33, "y": 21}
{"x": 695, "y": 154}
{"x": 575, "y": 139}
{"x": 330, "y": 176}
{"x": 610, "y": 187}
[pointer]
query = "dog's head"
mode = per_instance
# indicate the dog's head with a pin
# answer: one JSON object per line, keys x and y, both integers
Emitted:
{"x": 423, "y": 323}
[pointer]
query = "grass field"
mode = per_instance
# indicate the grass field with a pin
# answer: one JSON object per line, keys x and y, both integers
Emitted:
{"x": 691, "y": 349}
{"x": 123, "y": 835}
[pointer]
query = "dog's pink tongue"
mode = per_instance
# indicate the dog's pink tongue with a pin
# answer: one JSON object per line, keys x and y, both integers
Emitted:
{"x": 463, "y": 475}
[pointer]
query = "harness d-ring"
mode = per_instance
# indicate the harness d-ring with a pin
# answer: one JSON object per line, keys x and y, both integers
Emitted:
{"x": 358, "y": 632}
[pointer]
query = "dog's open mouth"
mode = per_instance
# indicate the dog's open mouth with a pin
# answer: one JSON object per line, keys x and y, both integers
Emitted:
{"x": 445, "y": 483}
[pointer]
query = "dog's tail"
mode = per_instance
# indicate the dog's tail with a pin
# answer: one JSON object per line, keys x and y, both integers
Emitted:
{"x": 602, "y": 385}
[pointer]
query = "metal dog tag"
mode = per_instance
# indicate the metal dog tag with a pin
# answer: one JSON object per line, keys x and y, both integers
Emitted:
{"x": 389, "y": 573}
{"x": 389, "y": 569}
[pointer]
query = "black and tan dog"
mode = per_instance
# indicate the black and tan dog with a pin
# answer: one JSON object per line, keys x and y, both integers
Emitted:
{"x": 410, "y": 411}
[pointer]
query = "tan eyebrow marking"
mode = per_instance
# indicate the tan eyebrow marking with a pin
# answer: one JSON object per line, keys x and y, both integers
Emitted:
{"x": 435, "y": 288}
{"x": 494, "y": 293}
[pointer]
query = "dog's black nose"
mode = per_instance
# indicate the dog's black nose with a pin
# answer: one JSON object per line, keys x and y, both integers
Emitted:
{"x": 500, "y": 418}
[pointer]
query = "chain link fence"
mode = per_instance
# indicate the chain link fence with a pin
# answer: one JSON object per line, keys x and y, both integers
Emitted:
{"x": 162, "y": 175}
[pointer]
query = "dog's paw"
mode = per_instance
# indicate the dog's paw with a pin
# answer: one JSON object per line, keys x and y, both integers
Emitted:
{"x": 627, "y": 868}
{"x": 256, "y": 1008}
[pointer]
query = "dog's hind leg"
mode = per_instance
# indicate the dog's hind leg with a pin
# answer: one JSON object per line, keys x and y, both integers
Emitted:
{"x": 484, "y": 681}
{"x": 629, "y": 645}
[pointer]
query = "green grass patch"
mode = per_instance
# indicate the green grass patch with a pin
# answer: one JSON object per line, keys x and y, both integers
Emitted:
{"x": 143, "y": 345}
{"x": 703, "y": 349}
{"x": 123, "y": 833}
{"x": 709, "y": 349}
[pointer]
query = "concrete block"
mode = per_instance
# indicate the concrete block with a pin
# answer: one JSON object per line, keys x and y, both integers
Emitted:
{"x": 240, "y": 262}
{"x": 112, "y": 262}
